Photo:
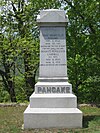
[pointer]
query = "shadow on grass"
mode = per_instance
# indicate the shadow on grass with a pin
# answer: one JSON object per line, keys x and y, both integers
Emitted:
{"x": 87, "y": 119}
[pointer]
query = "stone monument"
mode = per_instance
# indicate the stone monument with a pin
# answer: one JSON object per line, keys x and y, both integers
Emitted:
{"x": 52, "y": 104}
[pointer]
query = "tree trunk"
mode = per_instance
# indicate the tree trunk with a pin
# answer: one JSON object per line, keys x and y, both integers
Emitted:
{"x": 9, "y": 85}
{"x": 12, "y": 91}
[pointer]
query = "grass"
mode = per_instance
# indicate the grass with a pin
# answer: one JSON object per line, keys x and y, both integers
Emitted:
{"x": 11, "y": 120}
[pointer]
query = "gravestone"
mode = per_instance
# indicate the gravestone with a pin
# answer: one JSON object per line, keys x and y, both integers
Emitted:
{"x": 52, "y": 104}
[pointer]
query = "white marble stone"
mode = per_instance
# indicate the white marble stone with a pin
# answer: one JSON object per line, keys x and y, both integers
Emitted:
{"x": 52, "y": 118}
{"x": 52, "y": 104}
{"x": 53, "y": 101}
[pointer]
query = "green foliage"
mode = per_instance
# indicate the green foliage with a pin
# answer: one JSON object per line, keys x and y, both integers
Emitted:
{"x": 19, "y": 47}
{"x": 19, "y": 51}
{"x": 20, "y": 89}
{"x": 4, "y": 96}
{"x": 83, "y": 44}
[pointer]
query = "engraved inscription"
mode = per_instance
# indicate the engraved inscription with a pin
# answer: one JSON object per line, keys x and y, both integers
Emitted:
{"x": 53, "y": 89}
{"x": 53, "y": 46}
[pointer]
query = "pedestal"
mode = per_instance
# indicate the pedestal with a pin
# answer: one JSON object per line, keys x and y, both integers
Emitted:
{"x": 52, "y": 111}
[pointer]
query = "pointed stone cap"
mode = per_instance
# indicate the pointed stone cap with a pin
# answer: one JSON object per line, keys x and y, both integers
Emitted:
{"x": 52, "y": 16}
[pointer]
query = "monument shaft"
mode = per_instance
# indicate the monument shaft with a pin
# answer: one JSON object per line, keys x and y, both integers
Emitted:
{"x": 52, "y": 51}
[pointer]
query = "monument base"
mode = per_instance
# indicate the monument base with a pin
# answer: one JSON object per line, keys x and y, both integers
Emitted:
{"x": 52, "y": 118}
{"x": 52, "y": 111}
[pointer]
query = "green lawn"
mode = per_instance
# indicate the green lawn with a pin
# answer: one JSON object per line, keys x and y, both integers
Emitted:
{"x": 11, "y": 120}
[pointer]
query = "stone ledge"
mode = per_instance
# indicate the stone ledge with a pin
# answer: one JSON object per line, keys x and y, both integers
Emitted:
{"x": 53, "y": 101}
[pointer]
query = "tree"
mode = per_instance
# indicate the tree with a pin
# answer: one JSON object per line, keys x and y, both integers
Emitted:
{"x": 25, "y": 15}
{"x": 24, "y": 37}
{"x": 7, "y": 57}
{"x": 83, "y": 46}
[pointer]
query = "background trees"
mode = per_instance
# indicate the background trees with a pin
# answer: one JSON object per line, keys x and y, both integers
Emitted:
{"x": 19, "y": 47}
{"x": 19, "y": 52}
{"x": 83, "y": 44}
